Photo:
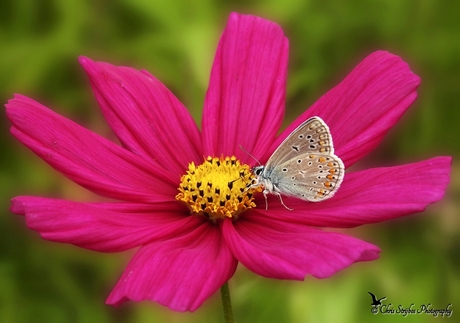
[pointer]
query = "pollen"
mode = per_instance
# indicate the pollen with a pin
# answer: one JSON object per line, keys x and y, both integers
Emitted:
{"x": 218, "y": 188}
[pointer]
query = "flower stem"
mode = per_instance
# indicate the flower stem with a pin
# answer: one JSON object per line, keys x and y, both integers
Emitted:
{"x": 227, "y": 303}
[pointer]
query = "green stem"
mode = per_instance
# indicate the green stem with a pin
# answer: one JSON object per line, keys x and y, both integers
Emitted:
{"x": 227, "y": 303}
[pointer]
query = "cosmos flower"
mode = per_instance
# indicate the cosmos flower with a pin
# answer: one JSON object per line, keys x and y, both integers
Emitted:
{"x": 192, "y": 217}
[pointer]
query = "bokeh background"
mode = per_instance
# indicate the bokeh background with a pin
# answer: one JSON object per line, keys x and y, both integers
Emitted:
{"x": 40, "y": 40}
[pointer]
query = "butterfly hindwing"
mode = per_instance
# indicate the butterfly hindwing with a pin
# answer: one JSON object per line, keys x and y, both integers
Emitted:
{"x": 310, "y": 177}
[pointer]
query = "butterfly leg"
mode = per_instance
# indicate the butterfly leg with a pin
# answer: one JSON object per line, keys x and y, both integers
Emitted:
{"x": 279, "y": 197}
{"x": 281, "y": 200}
{"x": 266, "y": 200}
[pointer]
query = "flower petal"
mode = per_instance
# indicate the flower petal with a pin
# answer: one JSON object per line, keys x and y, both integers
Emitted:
{"x": 180, "y": 273}
{"x": 105, "y": 227}
{"x": 364, "y": 106}
{"x": 373, "y": 195}
{"x": 275, "y": 249}
{"x": 147, "y": 118}
{"x": 247, "y": 88}
{"x": 87, "y": 158}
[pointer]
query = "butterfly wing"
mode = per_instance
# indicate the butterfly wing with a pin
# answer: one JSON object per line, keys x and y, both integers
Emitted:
{"x": 312, "y": 136}
{"x": 304, "y": 165}
{"x": 311, "y": 177}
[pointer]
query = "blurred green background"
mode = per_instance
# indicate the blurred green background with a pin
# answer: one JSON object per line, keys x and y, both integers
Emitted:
{"x": 42, "y": 281}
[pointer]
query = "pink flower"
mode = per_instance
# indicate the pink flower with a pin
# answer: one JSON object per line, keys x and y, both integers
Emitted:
{"x": 182, "y": 258}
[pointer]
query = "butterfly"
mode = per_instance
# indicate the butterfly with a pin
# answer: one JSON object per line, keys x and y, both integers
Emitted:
{"x": 304, "y": 165}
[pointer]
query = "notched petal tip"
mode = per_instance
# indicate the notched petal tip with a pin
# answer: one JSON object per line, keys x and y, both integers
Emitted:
{"x": 17, "y": 101}
{"x": 369, "y": 254}
{"x": 17, "y": 207}
{"x": 381, "y": 55}
{"x": 11, "y": 101}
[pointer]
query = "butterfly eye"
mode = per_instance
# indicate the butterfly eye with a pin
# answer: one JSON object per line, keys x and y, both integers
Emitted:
{"x": 258, "y": 171}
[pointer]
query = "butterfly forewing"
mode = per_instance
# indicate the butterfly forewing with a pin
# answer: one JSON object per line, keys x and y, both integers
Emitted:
{"x": 312, "y": 136}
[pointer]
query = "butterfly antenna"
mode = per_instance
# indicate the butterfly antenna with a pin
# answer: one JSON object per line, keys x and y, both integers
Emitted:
{"x": 258, "y": 162}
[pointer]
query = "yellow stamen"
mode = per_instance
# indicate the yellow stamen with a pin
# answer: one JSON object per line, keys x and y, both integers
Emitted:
{"x": 218, "y": 188}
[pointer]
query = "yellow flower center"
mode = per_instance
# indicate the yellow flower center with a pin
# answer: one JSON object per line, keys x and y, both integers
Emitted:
{"x": 218, "y": 188}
